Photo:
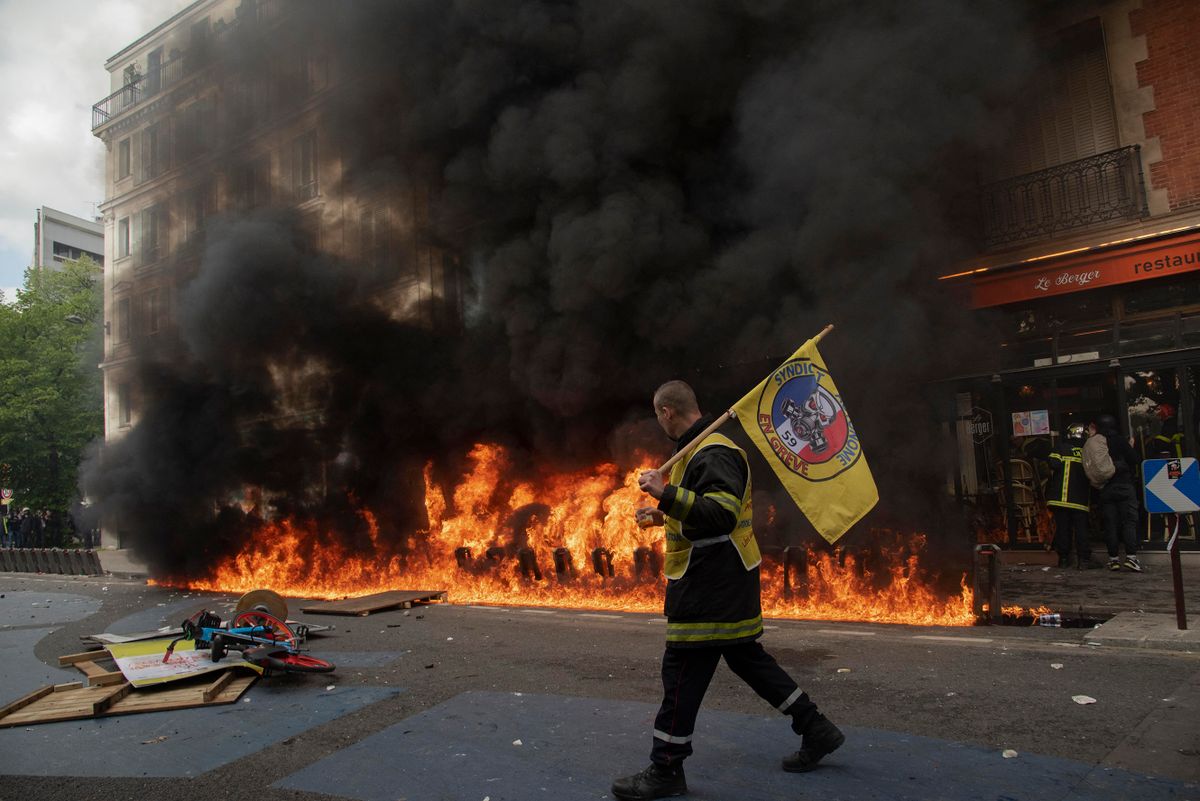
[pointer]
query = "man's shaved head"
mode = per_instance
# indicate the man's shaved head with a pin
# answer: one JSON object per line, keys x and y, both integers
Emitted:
{"x": 678, "y": 396}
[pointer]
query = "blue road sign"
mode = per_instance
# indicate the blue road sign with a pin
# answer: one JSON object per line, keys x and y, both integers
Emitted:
{"x": 1172, "y": 485}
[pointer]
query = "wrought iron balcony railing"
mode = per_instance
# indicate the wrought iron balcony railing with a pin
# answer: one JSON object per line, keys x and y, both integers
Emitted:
{"x": 1103, "y": 188}
{"x": 138, "y": 90}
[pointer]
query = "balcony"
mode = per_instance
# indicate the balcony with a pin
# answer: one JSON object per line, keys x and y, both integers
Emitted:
{"x": 1099, "y": 189}
{"x": 138, "y": 91}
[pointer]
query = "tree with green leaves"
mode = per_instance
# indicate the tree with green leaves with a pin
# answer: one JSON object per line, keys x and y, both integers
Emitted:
{"x": 51, "y": 389}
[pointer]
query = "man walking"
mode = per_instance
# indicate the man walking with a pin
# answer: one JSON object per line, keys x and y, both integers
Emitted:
{"x": 713, "y": 600}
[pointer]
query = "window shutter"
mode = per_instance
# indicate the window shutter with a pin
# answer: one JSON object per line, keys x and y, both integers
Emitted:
{"x": 1069, "y": 114}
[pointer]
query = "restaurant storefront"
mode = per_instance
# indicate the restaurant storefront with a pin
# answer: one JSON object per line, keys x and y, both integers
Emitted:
{"x": 1114, "y": 329}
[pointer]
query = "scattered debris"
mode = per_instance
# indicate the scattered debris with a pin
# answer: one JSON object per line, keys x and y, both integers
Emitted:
{"x": 517, "y": 742}
{"x": 1008, "y": 753}
{"x": 1083, "y": 699}
{"x": 375, "y": 603}
{"x": 843, "y": 670}
{"x": 1056, "y": 665}
{"x": 329, "y": 687}
{"x": 154, "y": 740}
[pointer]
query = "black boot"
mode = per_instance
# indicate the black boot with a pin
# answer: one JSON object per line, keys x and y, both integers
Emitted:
{"x": 653, "y": 782}
{"x": 820, "y": 738}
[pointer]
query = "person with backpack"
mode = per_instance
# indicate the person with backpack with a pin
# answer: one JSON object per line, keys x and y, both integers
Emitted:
{"x": 1111, "y": 465}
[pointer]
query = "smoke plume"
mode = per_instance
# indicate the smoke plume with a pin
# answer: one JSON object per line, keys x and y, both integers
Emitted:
{"x": 634, "y": 192}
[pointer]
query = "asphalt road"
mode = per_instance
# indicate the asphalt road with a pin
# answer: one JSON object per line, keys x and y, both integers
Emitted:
{"x": 473, "y": 703}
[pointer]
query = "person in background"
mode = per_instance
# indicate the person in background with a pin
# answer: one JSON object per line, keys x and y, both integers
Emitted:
{"x": 1068, "y": 495}
{"x": 1119, "y": 498}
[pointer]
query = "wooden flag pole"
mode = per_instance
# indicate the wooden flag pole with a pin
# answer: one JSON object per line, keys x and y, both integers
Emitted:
{"x": 720, "y": 421}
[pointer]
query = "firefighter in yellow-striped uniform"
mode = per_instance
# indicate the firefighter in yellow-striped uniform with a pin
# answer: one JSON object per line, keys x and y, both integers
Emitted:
{"x": 713, "y": 604}
{"x": 1068, "y": 494}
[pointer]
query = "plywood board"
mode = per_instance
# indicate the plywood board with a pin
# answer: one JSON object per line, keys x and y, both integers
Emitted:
{"x": 375, "y": 603}
{"x": 73, "y": 702}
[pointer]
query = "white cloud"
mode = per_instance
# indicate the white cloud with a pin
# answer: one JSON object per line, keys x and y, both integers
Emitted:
{"x": 52, "y": 55}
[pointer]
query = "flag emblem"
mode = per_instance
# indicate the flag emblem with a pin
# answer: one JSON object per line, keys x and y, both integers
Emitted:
{"x": 803, "y": 420}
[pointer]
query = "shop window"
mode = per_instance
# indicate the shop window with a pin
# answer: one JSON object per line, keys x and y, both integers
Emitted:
{"x": 1146, "y": 337}
{"x": 1163, "y": 295}
{"x": 1189, "y": 325}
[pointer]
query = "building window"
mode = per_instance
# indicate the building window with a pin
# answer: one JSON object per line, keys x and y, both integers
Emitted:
{"x": 153, "y": 233}
{"x": 123, "y": 320}
{"x": 252, "y": 183}
{"x": 154, "y": 151}
{"x": 123, "y": 164}
{"x": 304, "y": 171}
{"x": 122, "y": 237}
{"x": 124, "y": 404}
{"x": 1068, "y": 114}
{"x": 153, "y": 311}
{"x": 65, "y": 252}
{"x": 376, "y": 240}
{"x": 198, "y": 205}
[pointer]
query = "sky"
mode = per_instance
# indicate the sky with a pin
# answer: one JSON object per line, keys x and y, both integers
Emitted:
{"x": 52, "y": 55}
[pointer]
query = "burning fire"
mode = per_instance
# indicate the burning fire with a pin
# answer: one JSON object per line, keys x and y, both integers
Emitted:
{"x": 570, "y": 542}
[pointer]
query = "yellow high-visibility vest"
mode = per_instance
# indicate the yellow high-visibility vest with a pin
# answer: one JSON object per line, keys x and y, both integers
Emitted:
{"x": 678, "y": 549}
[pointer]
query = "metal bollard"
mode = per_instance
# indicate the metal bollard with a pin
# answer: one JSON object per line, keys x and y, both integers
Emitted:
{"x": 987, "y": 583}
{"x": 6, "y": 560}
{"x": 602, "y": 562}
{"x": 795, "y": 570}
{"x": 75, "y": 568}
{"x": 529, "y": 565}
{"x": 562, "y": 564}
{"x": 646, "y": 561}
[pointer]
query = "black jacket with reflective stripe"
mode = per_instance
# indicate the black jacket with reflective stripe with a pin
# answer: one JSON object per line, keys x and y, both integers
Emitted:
{"x": 717, "y": 588}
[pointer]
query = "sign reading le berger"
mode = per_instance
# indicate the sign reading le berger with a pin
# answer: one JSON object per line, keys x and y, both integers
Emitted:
{"x": 1155, "y": 259}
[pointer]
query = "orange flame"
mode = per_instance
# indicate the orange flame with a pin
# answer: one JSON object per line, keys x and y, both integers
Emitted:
{"x": 574, "y": 525}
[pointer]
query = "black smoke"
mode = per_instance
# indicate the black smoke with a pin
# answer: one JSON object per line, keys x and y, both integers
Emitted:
{"x": 635, "y": 191}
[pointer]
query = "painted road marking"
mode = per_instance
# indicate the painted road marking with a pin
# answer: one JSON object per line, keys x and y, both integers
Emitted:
{"x": 940, "y": 638}
{"x": 596, "y": 616}
{"x": 851, "y": 632}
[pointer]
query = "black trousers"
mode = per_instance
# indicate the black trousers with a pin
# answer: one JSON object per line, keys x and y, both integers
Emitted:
{"x": 686, "y": 673}
{"x": 1067, "y": 521}
{"x": 1119, "y": 508}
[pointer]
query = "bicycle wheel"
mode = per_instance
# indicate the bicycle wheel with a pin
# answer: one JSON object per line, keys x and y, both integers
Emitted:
{"x": 275, "y": 629}
{"x": 289, "y": 662}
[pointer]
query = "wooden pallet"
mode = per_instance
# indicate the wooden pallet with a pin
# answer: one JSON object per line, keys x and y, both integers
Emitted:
{"x": 87, "y": 663}
{"x": 375, "y": 603}
{"x": 74, "y": 701}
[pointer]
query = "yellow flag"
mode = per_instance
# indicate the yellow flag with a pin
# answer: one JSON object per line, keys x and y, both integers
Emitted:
{"x": 797, "y": 419}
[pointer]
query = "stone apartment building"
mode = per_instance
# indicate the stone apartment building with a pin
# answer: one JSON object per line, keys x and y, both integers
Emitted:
{"x": 190, "y": 133}
{"x": 1089, "y": 257}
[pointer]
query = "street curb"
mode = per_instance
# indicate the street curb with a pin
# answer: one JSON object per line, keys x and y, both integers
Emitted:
{"x": 1145, "y": 630}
